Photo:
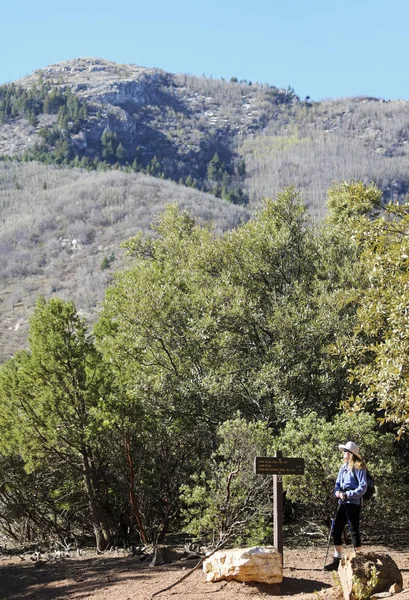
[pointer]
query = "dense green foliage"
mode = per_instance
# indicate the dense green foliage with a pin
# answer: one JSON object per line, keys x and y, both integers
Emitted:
{"x": 378, "y": 351}
{"x": 208, "y": 351}
{"x": 316, "y": 440}
{"x": 16, "y": 101}
{"x": 52, "y": 392}
{"x": 227, "y": 500}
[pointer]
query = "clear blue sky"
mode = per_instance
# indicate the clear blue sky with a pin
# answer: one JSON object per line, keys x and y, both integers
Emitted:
{"x": 322, "y": 48}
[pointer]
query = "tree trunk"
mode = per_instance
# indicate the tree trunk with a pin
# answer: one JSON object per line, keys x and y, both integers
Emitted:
{"x": 99, "y": 521}
{"x": 132, "y": 499}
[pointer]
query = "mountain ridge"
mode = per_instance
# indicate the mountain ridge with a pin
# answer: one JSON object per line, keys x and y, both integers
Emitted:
{"x": 179, "y": 120}
{"x": 172, "y": 125}
{"x": 121, "y": 141}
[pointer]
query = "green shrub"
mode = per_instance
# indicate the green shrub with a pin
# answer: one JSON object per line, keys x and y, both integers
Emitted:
{"x": 228, "y": 500}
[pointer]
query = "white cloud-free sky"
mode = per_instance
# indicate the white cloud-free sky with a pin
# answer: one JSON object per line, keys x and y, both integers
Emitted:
{"x": 321, "y": 48}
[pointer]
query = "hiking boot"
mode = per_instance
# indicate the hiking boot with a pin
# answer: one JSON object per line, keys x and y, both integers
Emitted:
{"x": 334, "y": 565}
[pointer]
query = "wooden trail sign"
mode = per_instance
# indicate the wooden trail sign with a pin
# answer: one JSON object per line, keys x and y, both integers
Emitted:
{"x": 278, "y": 466}
{"x": 274, "y": 465}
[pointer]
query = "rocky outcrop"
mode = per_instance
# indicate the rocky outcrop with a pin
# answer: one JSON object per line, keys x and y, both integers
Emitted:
{"x": 260, "y": 564}
{"x": 369, "y": 573}
{"x": 147, "y": 89}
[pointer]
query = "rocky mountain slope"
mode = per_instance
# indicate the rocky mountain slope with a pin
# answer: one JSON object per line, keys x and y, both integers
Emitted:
{"x": 164, "y": 124}
{"x": 120, "y": 141}
{"x": 172, "y": 125}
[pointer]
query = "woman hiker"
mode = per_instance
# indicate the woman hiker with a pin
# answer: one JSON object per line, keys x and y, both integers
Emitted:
{"x": 350, "y": 486}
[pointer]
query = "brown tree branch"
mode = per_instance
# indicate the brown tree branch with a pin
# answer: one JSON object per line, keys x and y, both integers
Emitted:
{"x": 186, "y": 575}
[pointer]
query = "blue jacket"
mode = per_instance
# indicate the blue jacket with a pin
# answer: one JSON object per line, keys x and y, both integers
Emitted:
{"x": 354, "y": 483}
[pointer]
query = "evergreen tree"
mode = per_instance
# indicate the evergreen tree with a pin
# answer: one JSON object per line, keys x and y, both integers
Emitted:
{"x": 109, "y": 145}
{"x": 48, "y": 397}
{"x": 215, "y": 169}
{"x": 120, "y": 153}
{"x": 154, "y": 167}
{"x": 241, "y": 169}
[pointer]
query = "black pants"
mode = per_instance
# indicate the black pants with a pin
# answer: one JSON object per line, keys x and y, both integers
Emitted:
{"x": 347, "y": 514}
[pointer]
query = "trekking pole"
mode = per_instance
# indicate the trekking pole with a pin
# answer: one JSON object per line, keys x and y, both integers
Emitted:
{"x": 329, "y": 536}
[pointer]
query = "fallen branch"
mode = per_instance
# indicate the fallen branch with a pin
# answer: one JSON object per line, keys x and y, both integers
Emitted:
{"x": 186, "y": 575}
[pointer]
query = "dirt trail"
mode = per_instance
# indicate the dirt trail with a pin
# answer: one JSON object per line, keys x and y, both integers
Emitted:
{"x": 112, "y": 577}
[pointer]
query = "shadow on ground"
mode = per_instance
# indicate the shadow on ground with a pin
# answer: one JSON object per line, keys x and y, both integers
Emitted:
{"x": 290, "y": 586}
{"x": 50, "y": 580}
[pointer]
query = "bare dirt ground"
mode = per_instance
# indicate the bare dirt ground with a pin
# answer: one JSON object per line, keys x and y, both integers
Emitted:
{"x": 119, "y": 577}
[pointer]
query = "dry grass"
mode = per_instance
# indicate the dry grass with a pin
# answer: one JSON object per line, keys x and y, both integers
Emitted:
{"x": 57, "y": 226}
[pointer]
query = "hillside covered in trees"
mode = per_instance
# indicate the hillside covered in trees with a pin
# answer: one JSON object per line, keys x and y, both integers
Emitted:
{"x": 184, "y": 287}
{"x": 210, "y": 349}
{"x": 239, "y": 140}
{"x": 120, "y": 141}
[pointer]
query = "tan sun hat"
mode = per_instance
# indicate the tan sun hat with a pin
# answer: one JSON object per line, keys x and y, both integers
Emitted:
{"x": 351, "y": 447}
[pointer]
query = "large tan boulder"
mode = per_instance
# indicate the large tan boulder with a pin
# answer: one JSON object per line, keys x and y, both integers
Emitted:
{"x": 368, "y": 573}
{"x": 260, "y": 563}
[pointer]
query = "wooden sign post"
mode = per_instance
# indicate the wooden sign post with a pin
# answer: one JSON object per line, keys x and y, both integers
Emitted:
{"x": 278, "y": 466}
